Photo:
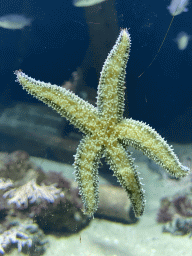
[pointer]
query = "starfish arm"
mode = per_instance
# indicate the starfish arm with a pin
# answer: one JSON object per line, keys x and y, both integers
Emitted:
{"x": 122, "y": 165}
{"x": 79, "y": 112}
{"x": 142, "y": 137}
{"x": 86, "y": 165}
{"x": 110, "y": 99}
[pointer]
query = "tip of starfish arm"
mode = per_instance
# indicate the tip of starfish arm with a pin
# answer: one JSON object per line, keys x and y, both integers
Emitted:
{"x": 185, "y": 169}
{"x": 124, "y": 33}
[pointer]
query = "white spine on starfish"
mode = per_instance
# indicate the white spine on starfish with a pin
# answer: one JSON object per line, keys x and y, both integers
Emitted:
{"x": 122, "y": 165}
{"x": 110, "y": 104}
{"x": 86, "y": 165}
{"x": 111, "y": 87}
{"x": 142, "y": 137}
{"x": 107, "y": 132}
{"x": 79, "y": 112}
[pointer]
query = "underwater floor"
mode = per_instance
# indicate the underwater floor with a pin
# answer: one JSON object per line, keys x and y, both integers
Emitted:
{"x": 145, "y": 237}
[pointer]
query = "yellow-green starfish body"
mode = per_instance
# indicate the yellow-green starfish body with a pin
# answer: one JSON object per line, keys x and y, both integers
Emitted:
{"x": 107, "y": 132}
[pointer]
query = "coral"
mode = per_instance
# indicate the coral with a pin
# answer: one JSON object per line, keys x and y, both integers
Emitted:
{"x": 4, "y": 184}
{"x": 14, "y": 165}
{"x": 47, "y": 198}
{"x": 31, "y": 192}
{"x": 165, "y": 214}
{"x": 176, "y": 213}
{"x": 183, "y": 205}
{"x": 57, "y": 178}
{"x": 178, "y": 205}
{"x": 24, "y": 234}
{"x": 14, "y": 236}
{"x": 179, "y": 226}
{"x": 65, "y": 213}
{"x": 4, "y": 208}
{"x": 61, "y": 216}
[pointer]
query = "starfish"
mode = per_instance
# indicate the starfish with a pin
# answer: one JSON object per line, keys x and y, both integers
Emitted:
{"x": 107, "y": 132}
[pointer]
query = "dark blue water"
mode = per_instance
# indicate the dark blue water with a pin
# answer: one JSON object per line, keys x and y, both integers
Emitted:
{"x": 56, "y": 42}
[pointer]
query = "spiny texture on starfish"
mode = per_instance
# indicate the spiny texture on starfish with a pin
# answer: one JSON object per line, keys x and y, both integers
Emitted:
{"x": 107, "y": 132}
